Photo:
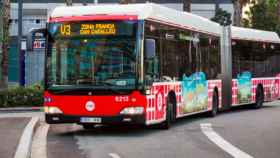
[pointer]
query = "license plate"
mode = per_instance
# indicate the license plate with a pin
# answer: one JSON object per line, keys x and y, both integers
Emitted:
{"x": 90, "y": 120}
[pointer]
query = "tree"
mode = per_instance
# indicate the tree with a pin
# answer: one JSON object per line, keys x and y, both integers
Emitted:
{"x": 216, "y": 6}
{"x": 238, "y": 7}
{"x": 222, "y": 17}
{"x": 187, "y": 5}
{"x": 263, "y": 15}
{"x": 5, "y": 44}
{"x": 68, "y": 2}
{"x": 278, "y": 9}
{"x": 278, "y": 14}
{"x": 1, "y": 28}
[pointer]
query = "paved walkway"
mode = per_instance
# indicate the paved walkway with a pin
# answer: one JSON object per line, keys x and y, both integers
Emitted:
{"x": 10, "y": 133}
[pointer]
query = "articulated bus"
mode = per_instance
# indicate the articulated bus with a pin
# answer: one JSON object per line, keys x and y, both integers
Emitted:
{"x": 147, "y": 64}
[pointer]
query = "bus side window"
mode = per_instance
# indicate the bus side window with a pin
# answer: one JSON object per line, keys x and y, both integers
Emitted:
{"x": 151, "y": 62}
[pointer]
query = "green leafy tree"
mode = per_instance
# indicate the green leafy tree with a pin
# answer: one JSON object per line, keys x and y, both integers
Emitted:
{"x": 263, "y": 15}
{"x": 1, "y": 28}
{"x": 5, "y": 43}
{"x": 69, "y": 2}
{"x": 222, "y": 17}
{"x": 238, "y": 7}
{"x": 187, "y": 5}
{"x": 278, "y": 9}
{"x": 278, "y": 15}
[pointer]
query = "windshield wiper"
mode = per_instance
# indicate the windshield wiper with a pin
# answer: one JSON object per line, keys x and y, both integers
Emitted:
{"x": 90, "y": 87}
{"x": 59, "y": 91}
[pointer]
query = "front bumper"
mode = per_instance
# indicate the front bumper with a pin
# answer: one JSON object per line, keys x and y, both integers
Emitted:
{"x": 120, "y": 119}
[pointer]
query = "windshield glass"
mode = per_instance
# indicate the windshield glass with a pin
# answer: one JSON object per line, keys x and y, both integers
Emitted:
{"x": 92, "y": 54}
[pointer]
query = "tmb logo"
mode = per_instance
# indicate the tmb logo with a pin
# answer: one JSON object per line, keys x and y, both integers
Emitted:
{"x": 90, "y": 106}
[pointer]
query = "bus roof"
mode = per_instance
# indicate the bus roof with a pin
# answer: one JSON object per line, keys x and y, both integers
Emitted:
{"x": 165, "y": 15}
{"x": 143, "y": 11}
{"x": 254, "y": 35}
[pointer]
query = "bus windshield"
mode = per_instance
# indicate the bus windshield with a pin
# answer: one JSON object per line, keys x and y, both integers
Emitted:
{"x": 91, "y": 55}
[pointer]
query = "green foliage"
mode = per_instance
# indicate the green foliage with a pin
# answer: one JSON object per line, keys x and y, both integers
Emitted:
{"x": 20, "y": 96}
{"x": 263, "y": 15}
{"x": 222, "y": 17}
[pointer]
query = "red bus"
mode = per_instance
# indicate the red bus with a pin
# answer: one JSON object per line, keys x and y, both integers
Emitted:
{"x": 147, "y": 64}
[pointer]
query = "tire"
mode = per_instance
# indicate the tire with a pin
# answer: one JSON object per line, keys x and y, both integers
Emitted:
{"x": 88, "y": 126}
{"x": 215, "y": 105}
{"x": 169, "y": 115}
{"x": 173, "y": 110}
{"x": 259, "y": 98}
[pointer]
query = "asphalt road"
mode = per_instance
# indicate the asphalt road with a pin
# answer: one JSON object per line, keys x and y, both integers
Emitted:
{"x": 253, "y": 133}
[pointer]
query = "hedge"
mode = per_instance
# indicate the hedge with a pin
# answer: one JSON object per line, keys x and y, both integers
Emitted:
{"x": 22, "y": 96}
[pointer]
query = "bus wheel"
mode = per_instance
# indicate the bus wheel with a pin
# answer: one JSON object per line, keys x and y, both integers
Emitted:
{"x": 259, "y": 98}
{"x": 215, "y": 105}
{"x": 88, "y": 126}
{"x": 169, "y": 115}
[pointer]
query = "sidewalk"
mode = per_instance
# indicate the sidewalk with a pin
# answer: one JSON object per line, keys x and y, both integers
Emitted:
{"x": 21, "y": 109}
{"x": 10, "y": 133}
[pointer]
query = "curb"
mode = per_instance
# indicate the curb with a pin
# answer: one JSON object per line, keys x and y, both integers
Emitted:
{"x": 25, "y": 142}
{"x": 21, "y": 109}
{"x": 39, "y": 143}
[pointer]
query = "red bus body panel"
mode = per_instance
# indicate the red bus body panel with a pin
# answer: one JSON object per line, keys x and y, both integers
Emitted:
{"x": 104, "y": 105}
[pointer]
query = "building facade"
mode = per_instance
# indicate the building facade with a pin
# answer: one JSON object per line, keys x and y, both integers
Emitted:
{"x": 35, "y": 15}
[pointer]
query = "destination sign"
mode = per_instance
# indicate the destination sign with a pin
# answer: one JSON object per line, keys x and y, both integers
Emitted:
{"x": 93, "y": 28}
{"x": 98, "y": 29}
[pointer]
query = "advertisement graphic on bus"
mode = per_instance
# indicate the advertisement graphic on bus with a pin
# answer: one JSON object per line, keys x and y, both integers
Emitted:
{"x": 195, "y": 93}
{"x": 244, "y": 84}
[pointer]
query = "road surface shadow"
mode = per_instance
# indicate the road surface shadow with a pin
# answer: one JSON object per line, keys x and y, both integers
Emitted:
{"x": 120, "y": 131}
{"x": 246, "y": 108}
{"x": 58, "y": 144}
{"x": 140, "y": 131}
{"x": 129, "y": 130}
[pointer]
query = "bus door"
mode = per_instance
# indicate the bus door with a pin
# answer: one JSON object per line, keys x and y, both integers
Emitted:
{"x": 195, "y": 90}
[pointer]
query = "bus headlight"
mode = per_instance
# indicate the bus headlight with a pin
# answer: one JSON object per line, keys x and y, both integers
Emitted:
{"x": 132, "y": 111}
{"x": 52, "y": 110}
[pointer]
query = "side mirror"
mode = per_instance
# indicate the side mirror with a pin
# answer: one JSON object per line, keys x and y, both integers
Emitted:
{"x": 32, "y": 35}
{"x": 150, "y": 48}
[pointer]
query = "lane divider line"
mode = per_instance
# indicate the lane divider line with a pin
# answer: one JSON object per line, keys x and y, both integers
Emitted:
{"x": 114, "y": 155}
{"x": 24, "y": 145}
{"x": 222, "y": 143}
{"x": 39, "y": 145}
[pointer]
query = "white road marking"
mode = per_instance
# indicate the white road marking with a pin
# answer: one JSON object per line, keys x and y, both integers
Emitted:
{"x": 39, "y": 145}
{"x": 114, "y": 155}
{"x": 23, "y": 148}
{"x": 222, "y": 143}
